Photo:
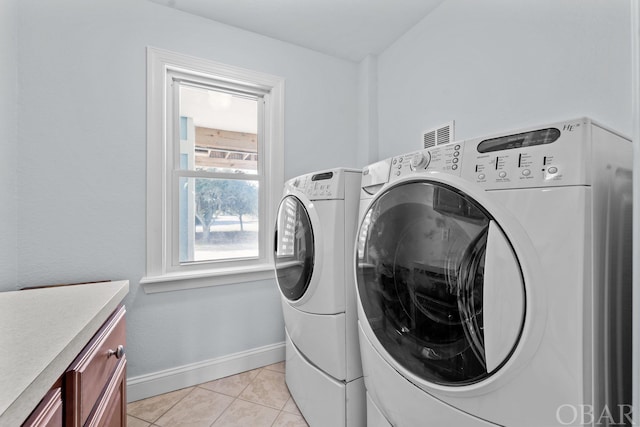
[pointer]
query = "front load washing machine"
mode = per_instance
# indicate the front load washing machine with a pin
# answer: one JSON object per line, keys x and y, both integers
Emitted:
{"x": 314, "y": 239}
{"x": 494, "y": 281}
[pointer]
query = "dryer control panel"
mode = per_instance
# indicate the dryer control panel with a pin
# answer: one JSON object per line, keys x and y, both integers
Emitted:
{"x": 322, "y": 185}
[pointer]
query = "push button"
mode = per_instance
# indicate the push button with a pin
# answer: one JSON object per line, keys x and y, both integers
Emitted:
{"x": 526, "y": 172}
{"x": 552, "y": 170}
{"x": 502, "y": 174}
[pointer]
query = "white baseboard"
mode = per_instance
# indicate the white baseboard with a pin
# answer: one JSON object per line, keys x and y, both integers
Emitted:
{"x": 156, "y": 383}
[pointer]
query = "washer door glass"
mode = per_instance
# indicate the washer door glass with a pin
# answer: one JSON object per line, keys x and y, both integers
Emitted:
{"x": 294, "y": 252}
{"x": 439, "y": 283}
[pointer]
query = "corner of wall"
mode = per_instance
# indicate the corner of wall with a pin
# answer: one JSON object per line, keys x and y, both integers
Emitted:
{"x": 367, "y": 111}
{"x": 9, "y": 144}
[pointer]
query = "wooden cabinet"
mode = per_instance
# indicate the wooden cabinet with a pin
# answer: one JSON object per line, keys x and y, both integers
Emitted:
{"x": 49, "y": 411}
{"x": 111, "y": 411}
{"x": 88, "y": 378}
{"x": 92, "y": 391}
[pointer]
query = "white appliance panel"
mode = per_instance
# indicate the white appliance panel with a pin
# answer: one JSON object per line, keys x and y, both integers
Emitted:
{"x": 320, "y": 337}
{"x": 321, "y": 399}
{"x": 374, "y": 416}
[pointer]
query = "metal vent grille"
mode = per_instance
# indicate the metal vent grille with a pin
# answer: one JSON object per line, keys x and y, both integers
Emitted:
{"x": 430, "y": 139}
{"x": 442, "y": 134}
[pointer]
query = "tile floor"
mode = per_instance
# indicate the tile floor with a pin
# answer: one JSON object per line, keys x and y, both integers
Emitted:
{"x": 254, "y": 398}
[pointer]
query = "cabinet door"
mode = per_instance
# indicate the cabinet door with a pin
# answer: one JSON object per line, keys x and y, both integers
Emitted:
{"x": 111, "y": 410}
{"x": 48, "y": 413}
{"x": 94, "y": 369}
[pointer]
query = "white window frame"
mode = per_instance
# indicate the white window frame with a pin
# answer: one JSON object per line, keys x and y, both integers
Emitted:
{"x": 163, "y": 273}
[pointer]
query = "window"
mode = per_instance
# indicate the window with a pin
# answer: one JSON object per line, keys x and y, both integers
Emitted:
{"x": 214, "y": 171}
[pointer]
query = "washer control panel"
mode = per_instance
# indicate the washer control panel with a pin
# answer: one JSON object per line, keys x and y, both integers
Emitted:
{"x": 554, "y": 155}
{"x": 445, "y": 158}
{"x": 547, "y": 156}
{"x": 522, "y": 166}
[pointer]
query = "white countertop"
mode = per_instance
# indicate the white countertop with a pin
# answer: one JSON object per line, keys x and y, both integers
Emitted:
{"x": 41, "y": 333}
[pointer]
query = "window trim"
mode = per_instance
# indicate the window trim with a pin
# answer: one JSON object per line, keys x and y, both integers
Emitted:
{"x": 159, "y": 276}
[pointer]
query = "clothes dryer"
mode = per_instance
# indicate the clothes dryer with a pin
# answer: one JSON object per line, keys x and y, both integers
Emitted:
{"x": 314, "y": 238}
{"x": 494, "y": 281}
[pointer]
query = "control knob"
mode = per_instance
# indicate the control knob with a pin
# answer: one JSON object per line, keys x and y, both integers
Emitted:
{"x": 420, "y": 160}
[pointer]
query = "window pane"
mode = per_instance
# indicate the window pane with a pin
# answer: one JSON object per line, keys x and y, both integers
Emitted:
{"x": 218, "y": 130}
{"x": 218, "y": 219}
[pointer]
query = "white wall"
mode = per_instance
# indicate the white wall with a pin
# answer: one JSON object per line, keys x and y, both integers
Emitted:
{"x": 82, "y": 161}
{"x": 8, "y": 143}
{"x": 500, "y": 64}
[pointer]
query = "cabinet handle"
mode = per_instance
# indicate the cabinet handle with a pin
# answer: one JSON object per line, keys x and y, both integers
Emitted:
{"x": 118, "y": 352}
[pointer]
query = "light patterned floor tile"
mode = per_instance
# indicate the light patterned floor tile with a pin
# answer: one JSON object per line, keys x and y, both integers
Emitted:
{"x": 154, "y": 407}
{"x": 286, "y": 419}
{"x": 199, "y": 408}
{"x": 135, "y": 422}
{"x": 268, "y": 388}
{"x": 244, "y": 414}
{"x": 262, "y": 399}
{"x": 278, "y": 367}
{"x": 233, "y": 385}
{"x": 291, "y": 407}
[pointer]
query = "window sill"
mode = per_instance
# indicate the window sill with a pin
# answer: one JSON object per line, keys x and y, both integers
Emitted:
{"x": 180, "y": 281}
